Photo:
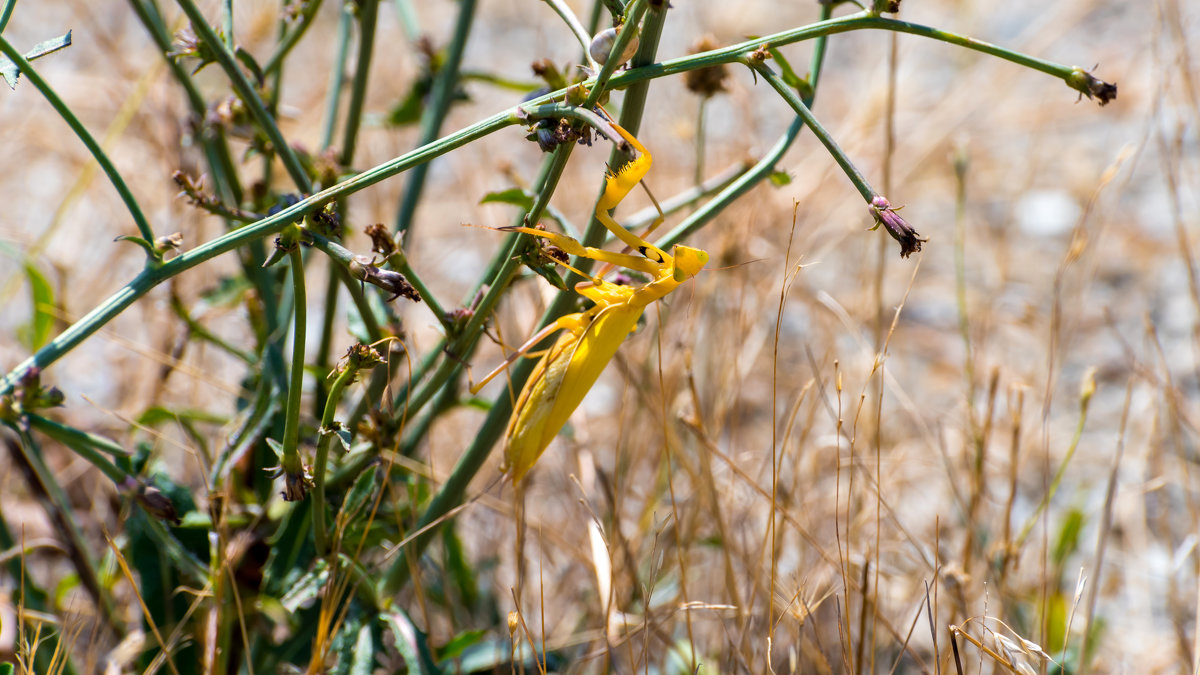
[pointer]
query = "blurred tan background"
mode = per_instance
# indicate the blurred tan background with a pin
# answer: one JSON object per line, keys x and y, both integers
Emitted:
{"x": 1079, "y": 227}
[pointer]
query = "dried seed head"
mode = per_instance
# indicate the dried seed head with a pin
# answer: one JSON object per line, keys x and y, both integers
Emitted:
{"x": 706, "y": 82}
{"x": 1088, "y": 85}
{"x": 295, "y": 485}
{"x": 381, "y": 240}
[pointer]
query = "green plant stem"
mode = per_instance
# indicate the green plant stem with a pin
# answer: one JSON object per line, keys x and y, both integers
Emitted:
{"x": 585, "y": 40}
{"x": 633, "y": 17}
{"x": 291, "y": 462}
{"x": 337, "y": 76}
{"x": 291, "y": 38}
{"x": 151, "y": 277}
{"x": 788, "y": 94}
{"x": 249, "y": 95}
{"x": 408, "y": 19}
{"x": 1030, "y": 522}
{"x": 399, "y": 262}
{"x": 435, "y": 113}
{"x": 93, "y": 147}
{"x": 452, "y": 491}
{"x": 367, "y": 13}
{"x": 88, "y": 446}
{"x": 27, "y": 455}
{"x": 227, "y": 23}
{"x": 6, "y": 13}
{"x": 344, "y": 256}
{"x": 320, "y": 534}
{"x": 759, "y": 171}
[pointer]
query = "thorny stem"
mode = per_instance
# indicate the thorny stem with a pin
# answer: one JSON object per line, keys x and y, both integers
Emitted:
{"x": 93, "y": 147}
{"x": 6, "y": 13}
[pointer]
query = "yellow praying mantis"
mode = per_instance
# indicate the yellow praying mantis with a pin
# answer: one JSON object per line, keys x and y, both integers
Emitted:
{"x": 590, "y": 339}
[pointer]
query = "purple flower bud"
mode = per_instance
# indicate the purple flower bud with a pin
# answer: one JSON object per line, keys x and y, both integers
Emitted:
{"x": 897, "y": 227}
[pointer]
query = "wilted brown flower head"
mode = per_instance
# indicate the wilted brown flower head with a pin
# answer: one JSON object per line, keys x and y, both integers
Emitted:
{"x": 706, "y": 82}
{"x": 1092, "y": 87}
{"x": 381, "y": 240}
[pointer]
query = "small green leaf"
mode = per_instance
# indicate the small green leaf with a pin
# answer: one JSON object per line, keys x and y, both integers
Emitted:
{"x": 787, "y": 74}
{"x": 139, "y": 241}
{"x": 514, "y": 196}
{"x": 36, "y": 334}
{"x": 6, "y": 669}
{"x": 9, "y": 70}
{"x": 780, "y": 178}
{"x": 1068, "y": 536}
{"x": 458, "y": 643}
{"x": 247, "y": 60}
{"x": 408, "y": 110}
{"x": 276, "y": 447}
{"x": 363, "y": 660}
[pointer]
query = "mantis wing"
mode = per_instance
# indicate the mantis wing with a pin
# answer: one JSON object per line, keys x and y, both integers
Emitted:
{"x": 560, "y": 381}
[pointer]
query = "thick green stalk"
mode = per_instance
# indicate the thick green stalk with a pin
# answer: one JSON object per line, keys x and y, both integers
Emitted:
{"x": 337, "y": 76}
{"x": 6, "y": 13}
{"x": 93, "y": 147}
{"x": 290, "y": 462}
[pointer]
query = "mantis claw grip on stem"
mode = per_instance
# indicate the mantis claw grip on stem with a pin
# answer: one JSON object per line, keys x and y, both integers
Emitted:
{"x": 590, "y": 339}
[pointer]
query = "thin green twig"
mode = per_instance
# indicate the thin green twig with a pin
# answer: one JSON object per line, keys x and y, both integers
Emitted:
{"x": 292, "y": 37}
{"x": 249, "y": 95}
{"x": 93, "y": 147}
{"x": 789, "y": 95}
{"x": 440, "y": 99}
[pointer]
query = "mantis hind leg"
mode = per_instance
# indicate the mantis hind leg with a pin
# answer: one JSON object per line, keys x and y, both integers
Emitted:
{"x": 565, "y": 322}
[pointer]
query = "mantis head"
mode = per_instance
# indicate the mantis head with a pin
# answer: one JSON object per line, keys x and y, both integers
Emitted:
{"x": 688, "y": 262}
